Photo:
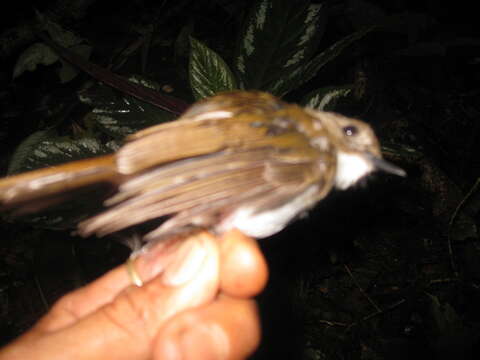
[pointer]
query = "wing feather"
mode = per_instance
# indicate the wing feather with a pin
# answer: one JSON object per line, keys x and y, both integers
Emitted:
{"x": 228, "y": 122}
{"x": 196, "y": 186}
{"x": 155, "y": 204}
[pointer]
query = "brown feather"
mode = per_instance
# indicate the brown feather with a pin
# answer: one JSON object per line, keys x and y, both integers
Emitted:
{"x": 40, "y": 184}
{"x": 243, "y": 159}
{"x": 187, "y": 185}
{"x": 231, "y": 122}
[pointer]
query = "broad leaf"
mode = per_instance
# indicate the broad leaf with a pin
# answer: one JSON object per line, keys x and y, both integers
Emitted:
{"x": 44, "y": 148}
{"x": 279, "y": 37}
{"x": 301, "y": 75}
{"x": 118, "y": 114}
{"x": 36, "y": 54}
{"x": 208, "y": 73}
{"x": 20, "y": 160}
{"x": 326, "y": 98}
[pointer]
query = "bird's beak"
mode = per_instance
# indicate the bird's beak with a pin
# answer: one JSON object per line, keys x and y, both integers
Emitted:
{"x": 383, "y": 165}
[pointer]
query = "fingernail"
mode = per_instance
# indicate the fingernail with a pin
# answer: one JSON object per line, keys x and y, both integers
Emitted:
{"x": 187, "y": 262}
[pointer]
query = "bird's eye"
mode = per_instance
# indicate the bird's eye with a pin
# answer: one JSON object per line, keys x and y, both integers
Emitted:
{"x": 350, "y": 130}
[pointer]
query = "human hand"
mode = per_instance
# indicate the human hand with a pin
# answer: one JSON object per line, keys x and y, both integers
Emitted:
{"x": 199, "y": 307}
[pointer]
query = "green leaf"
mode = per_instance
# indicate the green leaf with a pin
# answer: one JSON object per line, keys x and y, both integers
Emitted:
{"x": 208, "y": 73}
{"x": 34, "y": 55}
{"x": 326, "y": 98}
{"x": 44, "y": 148}
{"x": 303, "y": 74}
{"x": 68, "y": 71}
{"x": 25, "y": 150}
{"x": 119, "y": 115}
{"x": 279, "y": 37}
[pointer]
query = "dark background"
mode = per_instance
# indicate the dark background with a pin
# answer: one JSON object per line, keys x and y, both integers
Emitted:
{"x": 387, "y": 270}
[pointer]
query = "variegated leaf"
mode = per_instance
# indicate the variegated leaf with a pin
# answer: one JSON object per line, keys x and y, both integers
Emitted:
{"x": 208, "y": 73}
{"x": 44, "y": 148}
{"x": 118, "y": 114}
{"x": 305, "y": 73}
{"x": 326, "y": 98}
{"x": 279, "y": 37}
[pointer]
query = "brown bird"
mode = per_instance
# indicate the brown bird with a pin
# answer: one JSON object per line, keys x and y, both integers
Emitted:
{"x": 243, "y": 160}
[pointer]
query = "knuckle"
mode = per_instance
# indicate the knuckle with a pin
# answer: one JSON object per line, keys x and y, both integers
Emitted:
{"x": 128, "y": 314}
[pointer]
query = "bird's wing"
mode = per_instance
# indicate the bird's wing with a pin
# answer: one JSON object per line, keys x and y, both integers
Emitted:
{"x": 200, "y": 186}
{"x": 243, "y": 121}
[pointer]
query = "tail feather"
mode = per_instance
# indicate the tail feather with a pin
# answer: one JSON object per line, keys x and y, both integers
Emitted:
{"x": 38, "y": 189}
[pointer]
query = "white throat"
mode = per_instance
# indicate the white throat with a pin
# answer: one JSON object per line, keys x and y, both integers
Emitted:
{"x": 351, "y": 167}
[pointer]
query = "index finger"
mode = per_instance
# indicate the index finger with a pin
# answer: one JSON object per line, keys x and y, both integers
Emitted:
{"x": 243, "y": 268}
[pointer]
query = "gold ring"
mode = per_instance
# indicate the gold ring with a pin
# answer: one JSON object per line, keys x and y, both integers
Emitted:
{"x": 132, "y": 273}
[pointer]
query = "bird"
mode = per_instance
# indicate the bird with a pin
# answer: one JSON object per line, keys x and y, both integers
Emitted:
{"x": 240, "y": 159}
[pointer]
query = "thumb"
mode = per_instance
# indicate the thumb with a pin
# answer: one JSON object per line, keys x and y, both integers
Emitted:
{"x": 125, "y": 327}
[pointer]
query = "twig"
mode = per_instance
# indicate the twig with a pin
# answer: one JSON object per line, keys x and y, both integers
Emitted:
{"x": 368, "y": 317}
{"x": 452, "y": 220}
{"x": 111, "y": 79}
{"x": 332, "y": 323}
{"x": 361, "y": 289}
{"x": 40, "y": 291}
{"x": 443, "y": 281}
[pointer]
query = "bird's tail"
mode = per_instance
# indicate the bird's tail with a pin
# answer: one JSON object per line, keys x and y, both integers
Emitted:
{"x": 38, "y": 189}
